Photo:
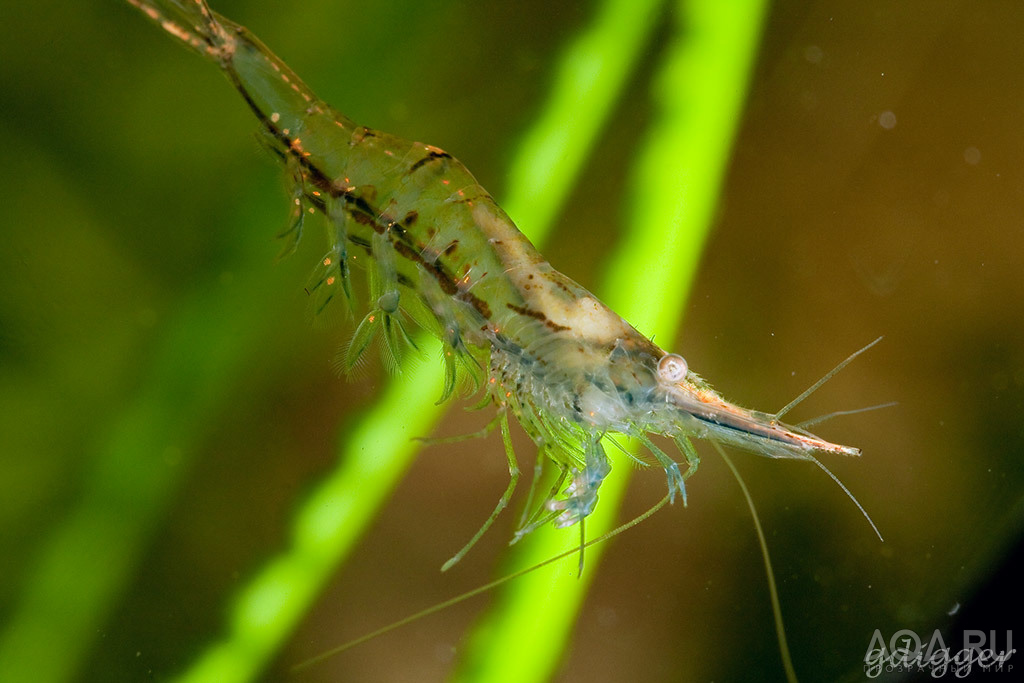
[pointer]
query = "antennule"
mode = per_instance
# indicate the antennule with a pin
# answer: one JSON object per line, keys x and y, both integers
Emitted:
{"x": 829, "y": 375}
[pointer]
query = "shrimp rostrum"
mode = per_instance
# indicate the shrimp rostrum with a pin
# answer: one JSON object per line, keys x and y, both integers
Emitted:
{"x": 441, "y": 254}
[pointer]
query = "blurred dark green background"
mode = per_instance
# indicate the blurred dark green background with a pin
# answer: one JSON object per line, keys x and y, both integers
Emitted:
{"x": 876, "y": 188}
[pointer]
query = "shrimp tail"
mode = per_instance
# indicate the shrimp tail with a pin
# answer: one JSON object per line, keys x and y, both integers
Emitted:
{"x": 281, "y": 101}
{"x": 190, "y": 21}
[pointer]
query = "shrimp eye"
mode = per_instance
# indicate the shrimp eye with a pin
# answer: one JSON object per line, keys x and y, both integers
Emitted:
{"x": 672, "y": 367}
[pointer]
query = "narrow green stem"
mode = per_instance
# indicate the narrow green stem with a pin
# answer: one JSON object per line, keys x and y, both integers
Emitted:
{"x": 698, "y": 94}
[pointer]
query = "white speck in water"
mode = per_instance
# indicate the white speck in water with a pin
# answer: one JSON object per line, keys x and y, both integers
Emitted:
{"x": 813, "y": 54}
{"x": 954, "y": 609}
{"x": 972, "y": 155}
{"x": 887, "y": 120}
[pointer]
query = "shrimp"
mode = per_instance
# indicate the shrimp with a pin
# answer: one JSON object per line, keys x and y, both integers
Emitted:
{"x": 442, "y": 255}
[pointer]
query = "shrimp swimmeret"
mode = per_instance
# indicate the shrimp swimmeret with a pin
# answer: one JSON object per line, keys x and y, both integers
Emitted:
{"x": 442, "y": 254}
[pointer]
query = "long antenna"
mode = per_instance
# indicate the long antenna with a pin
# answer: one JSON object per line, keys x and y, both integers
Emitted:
{"x": 829, "y": 375}
{"x": 780, "y": 628}
{"x": 474, "y": 592}
{"x": 838, "y": 413}
{"x": 848, "y": 494}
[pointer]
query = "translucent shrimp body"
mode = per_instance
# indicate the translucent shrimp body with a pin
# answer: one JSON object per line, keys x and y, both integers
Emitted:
{"x": 441, "y": 253}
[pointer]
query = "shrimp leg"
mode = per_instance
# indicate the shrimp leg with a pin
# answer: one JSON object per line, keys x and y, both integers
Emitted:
{"x": 513, "y": 471}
